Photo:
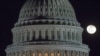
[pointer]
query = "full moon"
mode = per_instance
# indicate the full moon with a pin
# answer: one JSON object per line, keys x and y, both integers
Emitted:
{"x": 91, "y": 29}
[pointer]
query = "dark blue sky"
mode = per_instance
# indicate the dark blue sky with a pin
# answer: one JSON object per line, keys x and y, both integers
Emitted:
{"x": 87, "y": 12}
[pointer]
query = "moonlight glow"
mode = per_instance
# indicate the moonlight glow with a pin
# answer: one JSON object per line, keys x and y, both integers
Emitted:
{"x": 91, "y": 29}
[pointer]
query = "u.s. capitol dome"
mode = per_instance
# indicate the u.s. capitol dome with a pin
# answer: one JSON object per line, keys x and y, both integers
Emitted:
{"x": 47, "y": 28}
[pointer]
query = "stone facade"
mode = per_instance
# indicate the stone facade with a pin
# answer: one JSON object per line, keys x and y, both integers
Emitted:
{"x": 47, "y": 28}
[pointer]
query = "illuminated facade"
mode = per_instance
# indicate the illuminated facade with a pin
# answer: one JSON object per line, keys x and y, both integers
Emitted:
{"x": 47, "y": 28}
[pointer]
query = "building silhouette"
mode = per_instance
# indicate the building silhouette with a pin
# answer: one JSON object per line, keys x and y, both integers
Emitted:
{"x": 47, "y": 28}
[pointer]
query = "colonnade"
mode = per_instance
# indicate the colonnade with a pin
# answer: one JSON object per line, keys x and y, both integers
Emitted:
{"x": 48, "y": 53}
{"x": 33, "y": 33}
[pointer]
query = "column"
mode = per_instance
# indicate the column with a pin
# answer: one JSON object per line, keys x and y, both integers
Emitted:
{"x": 9, "y": 54}
{"x": 21, "y": 36}
{"x": 49, "y": 34}
{"x": 55, "y": 53}
{"x": 65, "y": 54}
{"x": 87, "y": 54}
{"x": 49, "y": 3}
{"x": 49, "y": 53}
{"x": 55, "y": 34}
{"x": 44, "y": 4}
{"x": 72, "y": 53}
{"x": 39, "y": 8}
{"x": 25, "y": 35}
{"x": 36, "y": 53}
{"x": 28, "y": 35}
{"x": 52, "y": 34}
{"x": 79, "y": 53}
{"x": 71, "y": 38}
{"x": 19, "y": 33}
{"x": 68, "y": 53}
{"x": 31, "y": 34}
{"x": 54, "y": 6}
{"x": 75, "y": 35}
{"x": 42, "y": 52}
{"x": 80, "y": 34}
{"x": 76, "y": 53}
{"x": 20, "y": 53}
{"x": 43, "y": 34}
{"x": 15, "y": 53}
{"x": 83, "y": 54}
{"x": 61, "y": 34}
{"x": 31, "y": 53}
{"x": 66, "y": 34}
{"x": 28, "y": 53}
{"x": 37, "y": 35}
{"x": 17, "y": 36}
{"x": 24, "y": 53}
{"x": 62, "y": 53}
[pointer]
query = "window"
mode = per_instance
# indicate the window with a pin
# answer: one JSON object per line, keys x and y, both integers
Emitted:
{"x": 58, "y": 54}
{"x": 39, "y": 54}
{"x": 33, "y": 54}
{"x": 46, "y": 54}
{"x": 52, "y": 54}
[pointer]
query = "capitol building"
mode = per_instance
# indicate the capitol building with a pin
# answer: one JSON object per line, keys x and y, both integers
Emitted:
{"x": 47, "y": 28}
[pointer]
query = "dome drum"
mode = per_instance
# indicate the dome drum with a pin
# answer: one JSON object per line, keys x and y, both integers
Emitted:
{"x": 50, "y": 32}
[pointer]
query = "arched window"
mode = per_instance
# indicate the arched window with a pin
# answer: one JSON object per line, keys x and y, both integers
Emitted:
{"x": 33, "y": 54}
{"x": 52, "y": 54}
{"x": 46, "y": 54}
{"x": 58, "y": 54}
{"x": 39, "y": 54}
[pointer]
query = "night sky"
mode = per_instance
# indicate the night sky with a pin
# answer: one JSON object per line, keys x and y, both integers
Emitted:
{"x": 87, "y": 12}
